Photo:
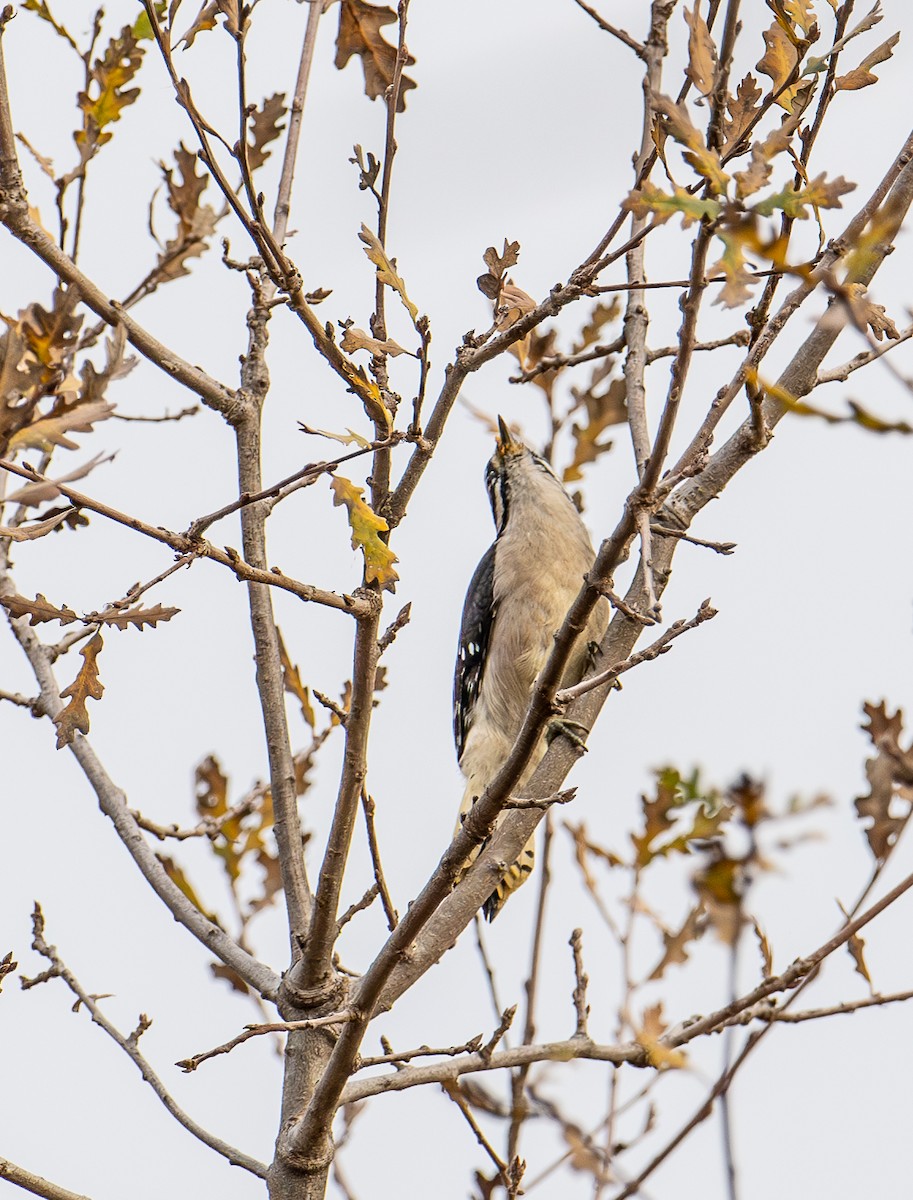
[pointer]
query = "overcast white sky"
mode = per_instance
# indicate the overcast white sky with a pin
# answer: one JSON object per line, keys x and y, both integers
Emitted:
{"x": 522, "y": 126}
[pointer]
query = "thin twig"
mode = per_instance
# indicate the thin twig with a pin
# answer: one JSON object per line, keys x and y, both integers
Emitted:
{"x": 252, "y": 1031}
{"x": 199, "y": 549}
{"x": 369, "y": 807}
{"x": 654, "y": 650}
{"x": 358, "y": 906}
{"x": 604, "y": 25}
{"x": 130, "y": 1045}
{"x": 581, "y": 979}
{"x": 452, "y": 1089}
{"x": 518, "y": 1106}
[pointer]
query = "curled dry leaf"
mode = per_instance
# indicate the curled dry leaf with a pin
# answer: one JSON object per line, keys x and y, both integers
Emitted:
{"x": 863, "y": 76}
{"x": 41, "y": 492}
{"x": 366, "y": 528}
{"x": 356, "y": 339}
{"x": 74, "y": 717}
{"x": 386, "y": 271}
{"x": 498, "y": 265}
{"x": 28, "y": 533}
{"x": 48, "y": 432}
{"x": 359, "y": 33}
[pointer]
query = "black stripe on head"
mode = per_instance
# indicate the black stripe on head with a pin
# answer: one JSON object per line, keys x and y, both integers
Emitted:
{"x": 498, "y": 487}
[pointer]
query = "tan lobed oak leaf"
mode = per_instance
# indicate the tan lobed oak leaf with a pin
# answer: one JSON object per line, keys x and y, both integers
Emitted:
{"x": 291, "y": 679}
{"x": 386, "y": 271}
{"x": 678, "y": 124}
{"x": 648, "y": 1034}
{"x": 366, "y": 528}
{"x": 359, "y": 33}
{"x": 41, "y": 492}
{"x": 267, "y": 122}
{"x": 741, "y": 111}
{"x": 74, "y": 717}
{"x": 38, "y": 610}
{"x": 140, "y": 618}
{"x": 603, "y": 409}
{"x": 498, "y": 265}
{"x": 349, "y": 438}
{"x": 356, "y": 339}
{"x": 205, "y": 19}
{"x": 755, "y": 176}
{"x": 780, "y": 63}
{"x": 48, "y": 432}
{"x": 701, "y": 51}
{"x": 196, "y": 221}
{"x": 675, "y": 945}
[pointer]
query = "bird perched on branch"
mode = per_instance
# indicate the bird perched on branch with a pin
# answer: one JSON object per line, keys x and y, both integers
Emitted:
{"x": 516, "y": 603}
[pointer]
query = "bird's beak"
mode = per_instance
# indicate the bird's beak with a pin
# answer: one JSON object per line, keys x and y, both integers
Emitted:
{"x": 506, "y": 444}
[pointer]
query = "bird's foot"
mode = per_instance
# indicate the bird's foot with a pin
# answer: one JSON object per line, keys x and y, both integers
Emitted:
{"x": 574, "y": 731}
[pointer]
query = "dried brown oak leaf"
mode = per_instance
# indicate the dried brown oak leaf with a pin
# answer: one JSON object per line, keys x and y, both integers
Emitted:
{"x": 74, "y": 717}
{"x": 38, "y": 610}
{"x": 701, "y": 51}
{"x": 360, "y": 27}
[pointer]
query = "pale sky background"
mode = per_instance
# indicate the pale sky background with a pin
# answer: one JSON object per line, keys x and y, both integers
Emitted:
{"x": 522, "y": 125}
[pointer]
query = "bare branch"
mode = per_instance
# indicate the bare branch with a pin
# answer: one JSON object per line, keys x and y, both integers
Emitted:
{"x": 369, "y": 807}
{"x": 317, "y": 964}
{"x": 35, "y": 1184}
{"x": 398, "y": 1081}
{"x": 113, "y": 804}
{"x": 654, "y": 650}
{"x": 129, "y": 1045}
{"x": 623, "y": 37}
{"x": 251, "y": 1031}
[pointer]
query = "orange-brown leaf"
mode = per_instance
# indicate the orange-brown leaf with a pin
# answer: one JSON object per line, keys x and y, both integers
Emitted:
{"x": 863, "y": 76}
{"x": 74, "y": 717}
{"x": 38, "y": 610}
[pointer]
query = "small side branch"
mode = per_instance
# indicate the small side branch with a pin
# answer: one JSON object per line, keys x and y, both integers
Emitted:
{"x": 369, "y": 807}
{"x": 251, "y": 1031}
{"x": 130, "y": 1045}
{"x": 654, "y": 650}
{"x": 581, "y": 979}
{"x": 184, "y": 545}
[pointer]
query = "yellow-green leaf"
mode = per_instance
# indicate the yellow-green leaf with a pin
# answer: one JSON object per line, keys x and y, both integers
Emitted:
{"x": 366, "y": 528}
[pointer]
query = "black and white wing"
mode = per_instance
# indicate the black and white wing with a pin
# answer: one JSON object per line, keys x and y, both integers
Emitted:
{"x": 475, "y": 633}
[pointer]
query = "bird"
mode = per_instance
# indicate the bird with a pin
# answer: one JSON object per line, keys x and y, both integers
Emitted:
{"x": 517, "y": 600}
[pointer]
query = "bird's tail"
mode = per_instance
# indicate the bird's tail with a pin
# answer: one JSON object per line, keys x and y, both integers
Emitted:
{"x": 515, "y": 875}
